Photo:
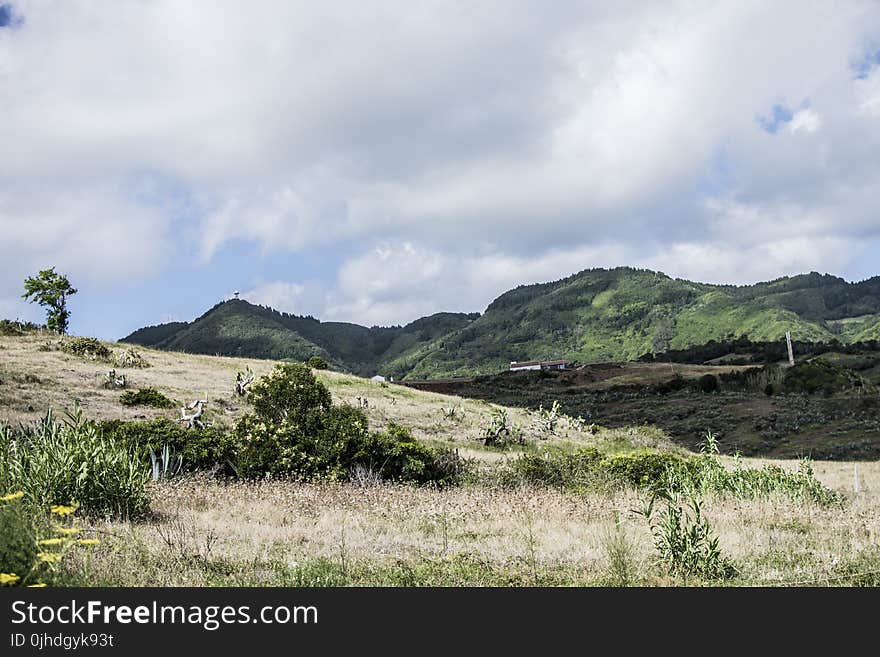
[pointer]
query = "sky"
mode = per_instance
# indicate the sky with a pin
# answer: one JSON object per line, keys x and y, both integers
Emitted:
{"x": 375, "y": 162}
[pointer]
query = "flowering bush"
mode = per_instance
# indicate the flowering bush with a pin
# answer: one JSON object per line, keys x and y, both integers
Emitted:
{"x": 31, "y": 552}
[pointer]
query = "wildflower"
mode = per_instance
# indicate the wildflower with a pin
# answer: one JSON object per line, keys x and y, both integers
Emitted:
{"x": 49, "y": 557}
{"x": 87, "y": 541}
{"x": 8, "y": 579}
{"x": 62, "y": 510}
{"x": 12, "y": 496}
{"x": 51, "y": 541}
{"x": 67, "y": 531}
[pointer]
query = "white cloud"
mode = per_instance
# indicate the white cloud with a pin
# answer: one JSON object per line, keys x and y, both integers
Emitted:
{"x": 296, "y": 298}
{"x": 868, "y": 91}
{"x": 805, "y": 120}
{"x": 93, "y": 235}
{"x": 504, "y": 142}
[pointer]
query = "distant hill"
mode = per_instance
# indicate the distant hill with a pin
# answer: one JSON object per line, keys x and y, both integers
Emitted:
{"x": 239, "y": 328}
{"x": 595, "y": 315}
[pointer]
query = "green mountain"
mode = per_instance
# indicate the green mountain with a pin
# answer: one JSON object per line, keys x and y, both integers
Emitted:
{"x": 238, "y": 328}
{"x": 595, "y": 315}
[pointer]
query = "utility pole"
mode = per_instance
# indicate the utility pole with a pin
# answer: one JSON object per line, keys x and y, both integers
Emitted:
{"x": 790, "y": 350}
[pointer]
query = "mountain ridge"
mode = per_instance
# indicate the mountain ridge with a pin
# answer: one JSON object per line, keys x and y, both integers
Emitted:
{"x": 593, "y": 315}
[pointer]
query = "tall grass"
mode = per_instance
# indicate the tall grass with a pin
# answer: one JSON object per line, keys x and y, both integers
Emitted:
{"x": 71, "y": 462}
{"x": 753, "y": 483}
{"x": 588, "y": 469}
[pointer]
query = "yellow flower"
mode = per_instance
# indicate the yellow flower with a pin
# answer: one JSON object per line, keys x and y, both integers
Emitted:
{"x": 8, "y": 578}
{"x": 49, "y": 557}
{"x": 51, "y": 541}
{"x": 62, "y": 510}
{"x": 67, "y": 531}
{"x": 87, "y": 541}
{"x": 12, "y": 496}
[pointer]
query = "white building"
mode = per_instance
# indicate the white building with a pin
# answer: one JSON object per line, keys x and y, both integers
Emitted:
{"x": 538, "y": 365}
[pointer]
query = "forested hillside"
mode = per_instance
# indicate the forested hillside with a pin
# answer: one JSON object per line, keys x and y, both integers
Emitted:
{"x": 595, "y": 315}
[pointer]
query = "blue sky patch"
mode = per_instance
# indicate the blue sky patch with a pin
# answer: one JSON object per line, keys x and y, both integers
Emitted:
{"x": 9, "y": 17}
{"x": 863, "y": 67}
{"x": 779, "y": 116}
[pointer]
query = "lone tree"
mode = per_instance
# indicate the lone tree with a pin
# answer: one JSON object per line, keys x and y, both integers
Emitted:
{"x": 50, "y": 289}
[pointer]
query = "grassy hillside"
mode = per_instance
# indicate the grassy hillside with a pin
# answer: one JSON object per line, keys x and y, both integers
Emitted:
{"x": 238, "y": 328}
{"x": 556, "y": 508}
{"x": 36, "y": 374}
{"x": 621, "y": 314}
{"x": 593, "y": 316}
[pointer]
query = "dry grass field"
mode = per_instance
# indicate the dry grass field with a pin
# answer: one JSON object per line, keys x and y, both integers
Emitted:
{"x": 204, "y": 531}
{"x": 282, "y": 533}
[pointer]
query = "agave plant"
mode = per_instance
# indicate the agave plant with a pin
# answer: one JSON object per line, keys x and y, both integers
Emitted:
{"x": 166, "y": 464}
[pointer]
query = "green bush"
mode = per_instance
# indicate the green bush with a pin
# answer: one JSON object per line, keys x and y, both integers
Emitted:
{"x": 588, "y": 468}
{"x": 648, "y": 468}
{"x": 708, "y": 383}
{"x": 296, "y": 431}
{"x": 209, "y": 448}
{"x": 90, "y": 348}
{"x": 676, "y": 383}
{"x": 71, "y": 462}
{"x": 318, "y": 363}
{"x": 685, "y": 542}
{"x": 571, "y": 470}
{"x": 18, "y": 542}
{"x": 34, "y": 543}
{"x": 394, "y": 454}
{"x": 9, "y": 327}
{"x": 817, "y": 376}
{"x": 145, "y": 397}
{"x": 291, "y": 394}
{"x": 750, "y": 483}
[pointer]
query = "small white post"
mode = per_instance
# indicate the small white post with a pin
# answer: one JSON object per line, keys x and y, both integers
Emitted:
{"x": 855, "y": 477}
{"x": 790, "y": 350}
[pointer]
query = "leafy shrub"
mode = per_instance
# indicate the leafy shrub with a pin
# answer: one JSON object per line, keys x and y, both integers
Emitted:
{"x": 10, "y": 327}
{"x": 396, "y": 455}
{"x": 90, "y": 348}
{"x": 145, "y": 397}
{"x": 750, "y": 483}
{"x": 72, "y": 462}
{"x": 33, "y": 546}
{"x": 342, "y": 446}
{"x": 708, "y": 383}
{"x": 685, "y": 542}
{"x": 588, "y": 468}
{"x": 648, "y": 468}
{"x": 818, "y": 376}
{"x": 676, "y": 383}
{"x": 209, "y": 448}
{"x": 296, "y": 431}
{"x": 18, "y": 542}
{"x": 571, "y": 470}
{"x": 318, "y": 363}
{"x": 292, "y": 394}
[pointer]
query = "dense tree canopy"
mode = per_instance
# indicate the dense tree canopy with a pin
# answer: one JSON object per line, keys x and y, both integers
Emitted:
{"x": 50, "y": 289}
